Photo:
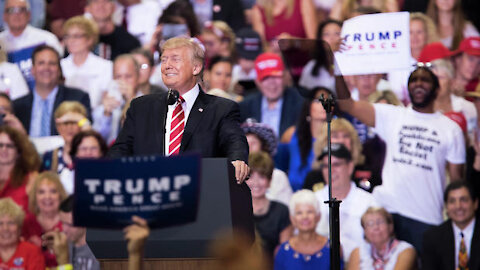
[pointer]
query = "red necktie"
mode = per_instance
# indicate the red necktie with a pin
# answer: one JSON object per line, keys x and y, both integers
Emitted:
{"x": 176, "y": 128}
{"x": 124, "y": 19}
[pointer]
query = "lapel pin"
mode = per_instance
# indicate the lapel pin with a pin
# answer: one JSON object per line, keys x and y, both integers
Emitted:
{"x": 200, "y": 110}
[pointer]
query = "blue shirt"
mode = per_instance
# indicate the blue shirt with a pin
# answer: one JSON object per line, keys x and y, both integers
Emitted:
{"x": 272, "y": 116}
{"x": 287, "y": 258}
{"x": 36, "y": 117}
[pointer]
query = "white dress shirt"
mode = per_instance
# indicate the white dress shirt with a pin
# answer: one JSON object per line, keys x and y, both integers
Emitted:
{"x": 467, "y": 236}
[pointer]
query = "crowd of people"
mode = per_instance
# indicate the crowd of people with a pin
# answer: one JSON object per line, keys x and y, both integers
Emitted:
{"x": 89, "y": 79}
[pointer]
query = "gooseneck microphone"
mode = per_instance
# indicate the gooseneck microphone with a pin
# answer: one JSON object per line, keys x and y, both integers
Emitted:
{"x": 172, "y": 96}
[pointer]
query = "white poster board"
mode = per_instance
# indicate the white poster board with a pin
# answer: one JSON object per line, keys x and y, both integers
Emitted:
{"x": 377, "y": 43}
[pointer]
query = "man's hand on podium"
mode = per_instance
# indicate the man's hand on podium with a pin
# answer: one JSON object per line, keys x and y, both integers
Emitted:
{"x": 242, "y": 171}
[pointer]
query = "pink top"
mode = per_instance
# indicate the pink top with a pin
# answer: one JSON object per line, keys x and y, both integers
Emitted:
{"x": 292, "y": 25}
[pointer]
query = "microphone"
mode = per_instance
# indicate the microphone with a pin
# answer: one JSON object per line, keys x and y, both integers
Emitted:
{"x": 172, "y": 96}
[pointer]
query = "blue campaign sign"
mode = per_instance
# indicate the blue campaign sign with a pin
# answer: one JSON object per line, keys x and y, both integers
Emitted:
{"x": 23, "y": 58}
{"x": 162, "y": 190}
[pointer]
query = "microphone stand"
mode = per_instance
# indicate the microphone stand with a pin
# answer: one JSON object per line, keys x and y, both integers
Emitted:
{"x": 172, "y": 97}
{"x": 333, "y": 203}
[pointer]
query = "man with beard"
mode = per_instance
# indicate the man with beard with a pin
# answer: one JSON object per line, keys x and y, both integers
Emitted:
{"x": 420, "y": 144}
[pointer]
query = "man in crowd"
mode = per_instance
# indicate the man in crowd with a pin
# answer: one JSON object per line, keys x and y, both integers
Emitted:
{"x": 355, "y": 201}
{"x": 114, "y": 40}
{"x": 194, "y": 122}
{"x": 107, "y": 117}
{"x": 420, "y": 144}
{"x": 20, "y": 39}
{"x": 467, "y": 64}
{"x": 35, "y": 110}
{"x": 455, "y": 244}
{"x": 275, "y": 104}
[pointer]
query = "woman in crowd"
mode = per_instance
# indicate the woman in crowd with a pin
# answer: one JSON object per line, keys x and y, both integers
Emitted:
{"x": 261, "y": 137}
{"x": 44, "y": 199}
{"x": 271, "y": 218}
{"x": 276, "y": 19}
{"x": 318, "y": 72}
{"x": 88, "y": 144}
{"x": 381, "y": 250}
{"x": 446, "y": 101}
{"x": 83, "y": 69}
{"x": 218, "y": 39}
{"x": 423, "y": 31}
{"x": 307, "y": 249}
{"x": 451, "y": 23}
{"x": 14, "y": 252}
{"x": 19, "y": 163}
{"x": 70, "y": 118}
{"x": 218, "y": 77}
{"x": 301, "y": 138}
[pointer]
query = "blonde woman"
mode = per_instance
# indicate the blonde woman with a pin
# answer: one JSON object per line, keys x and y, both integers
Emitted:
{"x": 70, "y": 119}
{"x": 83, "y": 69}
{"x": 44, "y": 200}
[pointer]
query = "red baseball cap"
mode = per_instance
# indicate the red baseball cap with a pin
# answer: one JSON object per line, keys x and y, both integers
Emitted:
{"x": 469, "y": 45}
{"x": 434, "y": 51}
{"x": 268, "y": 64}
{"x": 458, "y": 118}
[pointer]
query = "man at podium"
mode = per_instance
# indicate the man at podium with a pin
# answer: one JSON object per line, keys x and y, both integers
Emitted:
{"x": 185, "y": 119}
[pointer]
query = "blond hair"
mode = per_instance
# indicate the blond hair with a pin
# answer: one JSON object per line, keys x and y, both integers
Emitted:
{"x": 428, "y": 24}
{"x": 197, "y": 53}
{"x": 387, "y": 95}
{"x": 51, "y": 177}
{"x": 70, "y": 106}
{"x": 339, "y": 125}
{"x": 88, "y": 26}
{"x": 9, "y": 208}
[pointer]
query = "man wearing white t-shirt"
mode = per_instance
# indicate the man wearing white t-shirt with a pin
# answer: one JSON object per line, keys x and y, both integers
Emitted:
{"x": 420, "y": 145}
{"x": 355, "y": 201}
{"x": 20, "y": 39}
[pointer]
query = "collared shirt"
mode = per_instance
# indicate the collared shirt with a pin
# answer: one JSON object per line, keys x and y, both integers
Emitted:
{"x": 189, "y": 98}
{"x": 467, "y": 236}
{"x": 36, "y": 117}
{"x": 272, "y": 116}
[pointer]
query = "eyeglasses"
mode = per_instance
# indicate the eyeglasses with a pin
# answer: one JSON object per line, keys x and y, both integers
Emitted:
{"x": 373, "y": 223}
{"x": 16, "y": 10}
{"x": 7, "y": 145}
{"x": 75, "y": 36}
{"x": 68, "y": 123}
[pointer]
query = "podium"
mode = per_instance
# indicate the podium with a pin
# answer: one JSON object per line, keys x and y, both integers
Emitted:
{"x": 224, "y": 206}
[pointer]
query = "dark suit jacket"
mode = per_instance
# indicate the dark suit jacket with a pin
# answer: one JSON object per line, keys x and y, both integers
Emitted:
{"x": 23, "y": 106}
{"x": 213, "y": 128}
{"x": 439, "y": 248}
{"x": 251, "y": 107}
